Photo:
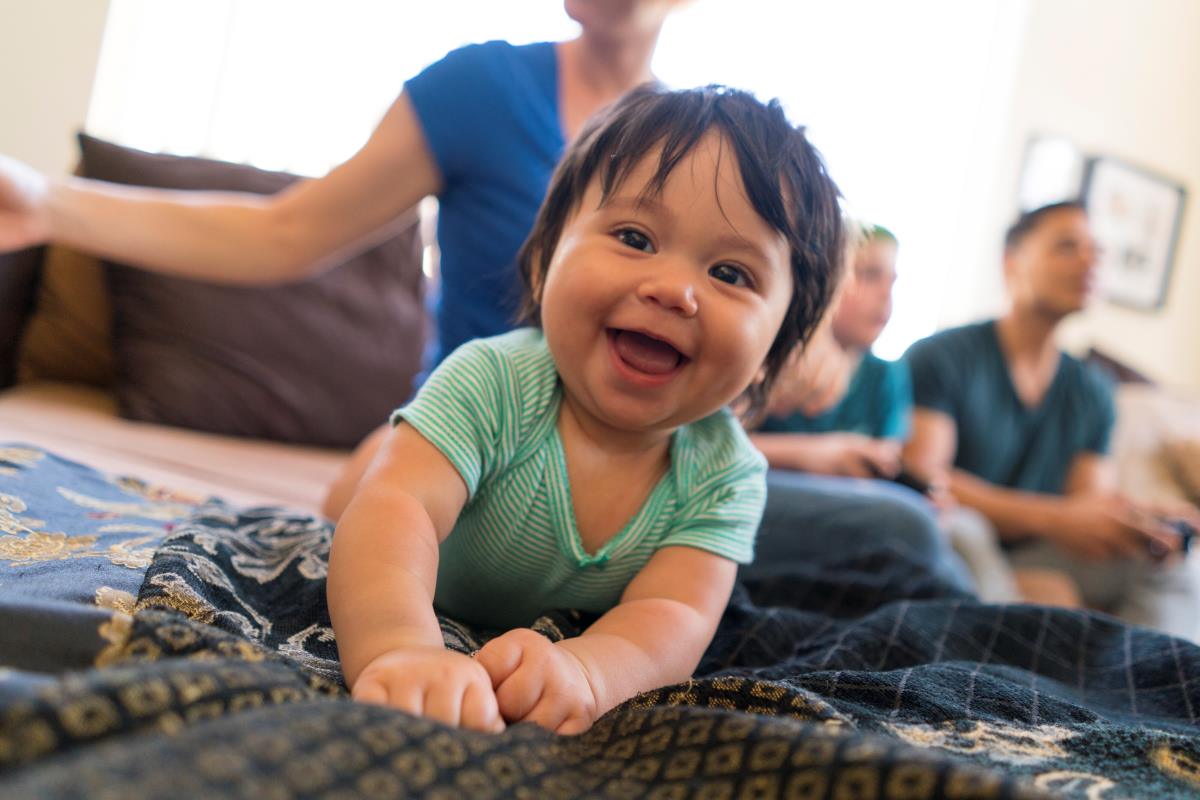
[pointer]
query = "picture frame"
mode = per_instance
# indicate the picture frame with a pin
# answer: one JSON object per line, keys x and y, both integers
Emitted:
{"x": 1136, "y": 215}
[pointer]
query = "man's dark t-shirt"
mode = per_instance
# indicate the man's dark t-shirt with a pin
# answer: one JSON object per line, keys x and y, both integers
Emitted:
{"x": 962, "y": 372}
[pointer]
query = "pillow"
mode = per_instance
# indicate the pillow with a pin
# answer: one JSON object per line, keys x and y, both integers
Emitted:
{"x": 69, "y": 334}
{"x": 18, "y": 284}
{"x": 321, "y": 362}
{"x": 1183, "y": 456}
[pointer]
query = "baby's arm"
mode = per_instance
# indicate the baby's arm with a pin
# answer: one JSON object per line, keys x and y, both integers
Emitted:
{"x": 382, "y": 572}
{"x": 654, "y": 637}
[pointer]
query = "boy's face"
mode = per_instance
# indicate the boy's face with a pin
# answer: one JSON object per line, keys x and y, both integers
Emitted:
{"x": 865, "y": 306}
{"x": 660, "y": 313}
{"x": 1054, "y": 268}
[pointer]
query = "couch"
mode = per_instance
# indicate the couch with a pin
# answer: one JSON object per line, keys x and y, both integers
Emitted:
{"x": 253, "y": 394}
{"x": 161, "y": 634}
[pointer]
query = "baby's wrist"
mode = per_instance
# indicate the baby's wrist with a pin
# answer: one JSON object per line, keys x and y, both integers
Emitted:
{"x": 593, "y": 674}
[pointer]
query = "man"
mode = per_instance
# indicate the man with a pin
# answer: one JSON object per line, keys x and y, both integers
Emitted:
{"x": 1024, "y": 428}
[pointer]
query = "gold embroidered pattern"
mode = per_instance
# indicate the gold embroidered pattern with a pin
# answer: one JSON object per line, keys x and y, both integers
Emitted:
{"x": 1006, "y": 743}
{"x": 1178, "y": 764}
{"x": 13, "y": 459}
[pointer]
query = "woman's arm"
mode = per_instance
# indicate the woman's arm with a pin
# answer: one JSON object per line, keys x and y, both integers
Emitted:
{"x": 229, "y": 237}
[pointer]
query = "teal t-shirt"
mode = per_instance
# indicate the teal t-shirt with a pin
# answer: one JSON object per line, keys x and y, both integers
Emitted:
{"x": 962, "y": 373}
{"x": 878, "y": 403}
{"x": 492, "y": 409}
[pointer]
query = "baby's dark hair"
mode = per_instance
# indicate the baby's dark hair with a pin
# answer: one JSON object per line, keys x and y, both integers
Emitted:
{"x": 784, "y": 178}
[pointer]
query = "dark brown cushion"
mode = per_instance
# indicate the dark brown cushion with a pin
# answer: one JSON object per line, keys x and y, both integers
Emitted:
{"x": 18, "y": 287}
{"x": 321, "y": 362}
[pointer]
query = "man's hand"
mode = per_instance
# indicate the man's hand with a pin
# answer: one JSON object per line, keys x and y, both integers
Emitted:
{"x": 1108, "y": 527}
{"x": 23, "y": 193}
{"x": 539, "y": 681}
{"x": 432, "y": 682}
{"x": 851, "y": 455}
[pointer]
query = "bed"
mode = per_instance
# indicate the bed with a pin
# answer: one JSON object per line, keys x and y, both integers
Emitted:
{"x": 163, "y": 630}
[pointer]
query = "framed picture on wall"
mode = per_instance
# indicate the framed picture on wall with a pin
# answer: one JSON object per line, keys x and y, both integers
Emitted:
{"x": 1136, "y": 216}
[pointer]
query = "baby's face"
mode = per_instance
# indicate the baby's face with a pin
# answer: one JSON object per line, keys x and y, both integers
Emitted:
{"x": 659, "y": 313}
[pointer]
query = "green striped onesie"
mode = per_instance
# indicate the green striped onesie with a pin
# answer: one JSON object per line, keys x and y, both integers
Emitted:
{"x": 492, "y": 409}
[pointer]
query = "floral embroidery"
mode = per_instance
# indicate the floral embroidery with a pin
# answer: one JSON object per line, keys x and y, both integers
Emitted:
{"x": 37, "y": 546}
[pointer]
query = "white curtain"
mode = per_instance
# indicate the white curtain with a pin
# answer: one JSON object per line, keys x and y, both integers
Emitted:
{"x": 906, "y": 100}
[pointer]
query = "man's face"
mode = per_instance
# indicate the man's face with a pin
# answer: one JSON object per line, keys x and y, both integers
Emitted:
{"x": 1053, "y": 269}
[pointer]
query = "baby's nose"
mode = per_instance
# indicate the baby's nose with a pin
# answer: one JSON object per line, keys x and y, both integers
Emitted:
{"x": 673, "y": 289}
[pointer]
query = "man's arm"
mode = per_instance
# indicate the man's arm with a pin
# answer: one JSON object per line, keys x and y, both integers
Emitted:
{"x": 1088, "y": 520}
{"x": 229, "y": 237}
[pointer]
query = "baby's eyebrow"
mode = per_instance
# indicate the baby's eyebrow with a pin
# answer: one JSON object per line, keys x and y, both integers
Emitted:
{"x": 641, "y": 203}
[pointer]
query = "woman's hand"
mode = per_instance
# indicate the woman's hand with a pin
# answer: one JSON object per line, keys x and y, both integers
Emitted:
{"x": 539, "y": 681}
{"x": 434, "y": 682}
{"x": 23, "y": 217}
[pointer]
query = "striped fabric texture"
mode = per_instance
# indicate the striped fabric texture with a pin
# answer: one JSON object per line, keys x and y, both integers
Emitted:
{"x": 491, "y": 408}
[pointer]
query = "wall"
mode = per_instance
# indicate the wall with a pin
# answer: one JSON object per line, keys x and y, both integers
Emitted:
{"x": 1122, "y": 79}
{"x": 48, "y": 54}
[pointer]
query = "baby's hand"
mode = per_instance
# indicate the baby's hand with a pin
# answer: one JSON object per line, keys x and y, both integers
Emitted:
{"x": 431, "y": 682}
{"x": 538, "y": 681}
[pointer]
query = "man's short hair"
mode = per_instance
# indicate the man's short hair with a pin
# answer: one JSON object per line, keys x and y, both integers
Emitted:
{"x": 1029, "y": 220}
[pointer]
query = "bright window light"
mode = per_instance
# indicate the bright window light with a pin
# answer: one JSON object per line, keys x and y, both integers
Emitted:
{"x": 905, "y": 100}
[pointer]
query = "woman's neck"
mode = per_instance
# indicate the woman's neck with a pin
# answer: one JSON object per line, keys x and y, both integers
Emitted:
{"x": 610, "y": 67}
{"x": 594, "y": 72}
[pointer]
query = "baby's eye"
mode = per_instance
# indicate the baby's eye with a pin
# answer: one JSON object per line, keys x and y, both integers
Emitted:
{"x": 728, "y": 273}
{"x": 631, "y": 237}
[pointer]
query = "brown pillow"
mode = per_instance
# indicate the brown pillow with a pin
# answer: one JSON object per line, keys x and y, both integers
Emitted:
{"x": 18, "y": 286}
{"x": 321, "y": 362}
{"x": 69, "y": 335}
{"x": 1183, "y": 456}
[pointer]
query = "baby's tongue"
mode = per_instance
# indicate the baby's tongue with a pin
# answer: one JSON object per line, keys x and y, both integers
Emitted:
{"x": 645, "y": 353}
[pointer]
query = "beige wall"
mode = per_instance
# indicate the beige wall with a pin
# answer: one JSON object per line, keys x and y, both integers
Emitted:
{"x": 1121, "y": 78}
{"x": 48, "y": 53}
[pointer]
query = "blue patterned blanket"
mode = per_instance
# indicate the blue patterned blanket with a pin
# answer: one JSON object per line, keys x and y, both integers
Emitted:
{"x": 154, "y": 644}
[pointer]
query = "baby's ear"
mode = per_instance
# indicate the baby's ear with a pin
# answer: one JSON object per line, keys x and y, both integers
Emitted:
{"x": 537, "y": 277}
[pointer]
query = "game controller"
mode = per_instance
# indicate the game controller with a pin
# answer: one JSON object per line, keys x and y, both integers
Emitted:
{"x": 1184, "y": 530}
{"x": 917, "y": 484}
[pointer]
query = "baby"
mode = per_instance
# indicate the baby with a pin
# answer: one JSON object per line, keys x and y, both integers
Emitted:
{"x": 688, "y": 242}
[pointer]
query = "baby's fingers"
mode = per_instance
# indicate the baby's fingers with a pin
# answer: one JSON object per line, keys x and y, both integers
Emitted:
{"x": 444, "y": 703}
{"x": 369, "y": 691}
{"x": 404, "y": 698}
{"x": 500, "y": 657}
{"x": 480, "y": 711}
{"x": 573, "y": 724}
{"x": 520, "y": 694}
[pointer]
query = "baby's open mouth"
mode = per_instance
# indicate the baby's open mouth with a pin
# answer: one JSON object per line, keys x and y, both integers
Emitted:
{"x": 645, "y": 353}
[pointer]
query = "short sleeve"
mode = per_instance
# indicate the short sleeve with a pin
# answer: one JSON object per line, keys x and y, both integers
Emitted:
{"x": 933, "y": 376}
{"x": 1099, "y": 439}
{"x": 898, "y": 399}
{"x": 723, "y": 512}
{"x": 451, "y": 97}
{"x": 460, "y": 409}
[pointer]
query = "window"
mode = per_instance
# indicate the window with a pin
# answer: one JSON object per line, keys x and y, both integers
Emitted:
{"x": 906, "y": 100}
